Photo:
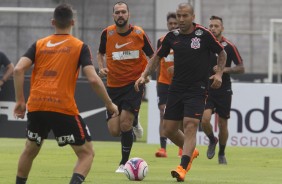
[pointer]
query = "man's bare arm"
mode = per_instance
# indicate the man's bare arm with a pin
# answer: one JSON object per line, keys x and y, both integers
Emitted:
{"x": 153, "y": 63}
{"x": 221, "y": 61}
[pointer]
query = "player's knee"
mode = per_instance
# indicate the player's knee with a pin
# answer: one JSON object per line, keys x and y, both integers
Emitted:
{"x": 114, "y": 132}
{"x": 125, "y": 126}
{"x": 168, "y": 132}
{"x": 206, "y": 120}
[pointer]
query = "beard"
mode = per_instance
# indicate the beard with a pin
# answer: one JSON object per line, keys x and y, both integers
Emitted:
{"x": 121, "y": 24}
{"x": 218, "y": 34}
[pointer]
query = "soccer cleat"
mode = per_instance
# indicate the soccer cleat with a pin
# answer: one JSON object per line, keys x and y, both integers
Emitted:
{"x": 179, "y": 173}
{"x": 120, "y": 169}
{"x": 180, "y": 152}
{"x": 194, "y": 155}
{"x": 138, "y": 130}
{"x": 161, "y": 153}
{"x": 222, "y": 160}
{"x": 211, "y": 148}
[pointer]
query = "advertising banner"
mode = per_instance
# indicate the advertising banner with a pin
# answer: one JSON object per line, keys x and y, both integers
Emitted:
{"x": 255, "y": 118}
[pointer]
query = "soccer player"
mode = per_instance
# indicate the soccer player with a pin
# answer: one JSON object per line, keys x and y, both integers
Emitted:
{"x": 51, "y": 104}
{"x": 219, "y": 100}
{"x": 191, "y": 45}
{"x": 124, "y": 47}
{"x": 9, "y": 67}
{"x": 164, "y": 76}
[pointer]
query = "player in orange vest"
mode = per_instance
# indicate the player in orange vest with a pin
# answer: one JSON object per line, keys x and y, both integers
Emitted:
{"x": 122, "y": 57}
{"x": 51, "y": 104}
{"x": 164, "y": 76}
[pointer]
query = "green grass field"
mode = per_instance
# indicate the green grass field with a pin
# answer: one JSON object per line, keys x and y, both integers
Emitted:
{"x": 54, "y": 164}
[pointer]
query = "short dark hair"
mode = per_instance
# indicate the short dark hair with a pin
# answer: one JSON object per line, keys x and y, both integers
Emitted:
{"x": 170, "y": 15}
{"x": 63, "y": 15}
{"x": 120, "y": 3}
{"x": 188, "y": 5}
{"x": 213, "y": 17}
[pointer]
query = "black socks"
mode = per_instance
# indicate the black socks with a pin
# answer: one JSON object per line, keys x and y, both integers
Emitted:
{"x": 126, "y": 145}
{"x": 77, "y": 178}
{"x": 185, "y": 159}
{"x": 20, "y": 180}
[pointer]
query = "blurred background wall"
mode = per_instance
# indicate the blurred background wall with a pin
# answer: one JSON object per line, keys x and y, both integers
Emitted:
{"x": 246, "y": 24}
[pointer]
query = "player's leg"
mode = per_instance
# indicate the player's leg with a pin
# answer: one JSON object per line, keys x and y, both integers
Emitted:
{"x": 37, "y": 131}
{"x": 114, "y": 126}
{"x": 172, "y": 132}
{"x": 137, "y": 128}
{"x": 85, "y": 155}
{"x": 208, "y": 130}
{"x": 130, "y": 105}
{"x": 162, "y": 151}
{"x": 193, "y": 101}
{"x": 72, "y": 130}
{"x": 224, "y": 114}
{"x": 114, "y": 123}
{"x": 126, "y": 122}
{"x": 180, "y": 148}
{"x": 29, "y": 153}
{"x": 223, "y": 137}
{"x": 162, "y": 92}
{"x": 190, "y": 126}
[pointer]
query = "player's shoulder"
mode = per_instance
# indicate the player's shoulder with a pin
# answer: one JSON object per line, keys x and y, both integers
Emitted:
{"x": 201, "y": 30}
{"x": 172, "y": 33}
{"x": 137, "y": 29}
{"x": 161, "y": 38}
{"x": 227, "y": 43}
{"x": 110, "y": 29}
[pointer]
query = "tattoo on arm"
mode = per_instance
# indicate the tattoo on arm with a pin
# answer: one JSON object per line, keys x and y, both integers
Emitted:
{"x": 221, "y": 61}
{"x": 152, "y": 65}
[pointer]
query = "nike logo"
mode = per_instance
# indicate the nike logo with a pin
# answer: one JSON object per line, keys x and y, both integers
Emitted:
{"x": 91, "y": 112}
{"x": 6, "y": 109}
{"x": 117, "y": 46}
{"x": 49, "y": 44}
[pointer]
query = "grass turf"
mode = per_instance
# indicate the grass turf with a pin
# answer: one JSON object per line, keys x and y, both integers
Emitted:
{"x": 54, "y": 164}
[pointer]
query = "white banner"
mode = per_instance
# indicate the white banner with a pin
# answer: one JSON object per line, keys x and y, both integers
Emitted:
{"x": 256, "y": 116}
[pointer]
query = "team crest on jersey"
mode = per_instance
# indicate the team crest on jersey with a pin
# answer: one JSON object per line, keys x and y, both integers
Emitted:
{"x": 111, "y": 32}
{"x": 175, "y": 32}
{"x": 195, "y": 44}
{"x": 223, "y": 44}
{"x": 198, "y": 32}
{"x": 138, "y": 31}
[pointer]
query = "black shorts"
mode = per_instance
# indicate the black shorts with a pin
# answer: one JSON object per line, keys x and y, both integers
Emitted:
{"x": 66, "y": 128}
{"x": 221, "y": 104}
{"x": 162, "y": 91}
{"x": 126, "y": 98}
{"x": 189, "y": 102}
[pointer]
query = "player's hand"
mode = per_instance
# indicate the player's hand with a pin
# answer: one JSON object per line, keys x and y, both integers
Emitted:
{"x": 103, "y": 72}
{"x": 147, "y": 80}
{"x": 19, "y": 110}
{"x": 217, "y": 81}
{"x": 113, "y": 109}
{"x": 139, "y": 82}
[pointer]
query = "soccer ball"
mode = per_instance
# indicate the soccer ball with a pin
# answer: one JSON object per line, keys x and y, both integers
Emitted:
{"x": 136, "y": 169}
